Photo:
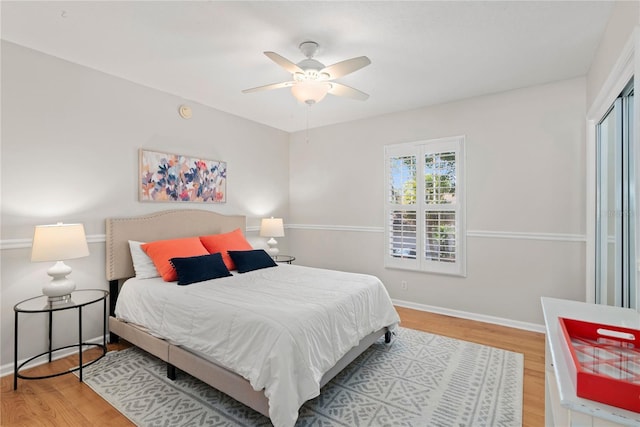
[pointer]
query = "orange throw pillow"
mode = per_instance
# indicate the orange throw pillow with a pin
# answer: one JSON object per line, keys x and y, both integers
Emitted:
{"x": 232, "y": 241}
{"x": 161, "y": 251}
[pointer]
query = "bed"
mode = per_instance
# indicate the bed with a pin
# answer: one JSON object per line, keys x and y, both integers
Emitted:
{"x": 288, "y": 363}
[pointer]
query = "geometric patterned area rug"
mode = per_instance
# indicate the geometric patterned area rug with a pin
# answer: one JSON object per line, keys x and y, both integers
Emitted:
{"x": 418, "y": 380}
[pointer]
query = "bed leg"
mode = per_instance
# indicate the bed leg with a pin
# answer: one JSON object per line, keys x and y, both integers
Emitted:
{"x": 171, "y": 372}
{"x": 114, "y": 288}
{"x": 387, "y": 337}
{"x": 113, "y": 338}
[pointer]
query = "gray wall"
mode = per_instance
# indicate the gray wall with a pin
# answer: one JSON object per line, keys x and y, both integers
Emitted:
{"x": 70, "y": 140}
{"x": 525, "y": 199}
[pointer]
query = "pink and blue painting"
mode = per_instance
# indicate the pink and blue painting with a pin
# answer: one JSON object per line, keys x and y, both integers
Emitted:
{"x": 168, "y": 177}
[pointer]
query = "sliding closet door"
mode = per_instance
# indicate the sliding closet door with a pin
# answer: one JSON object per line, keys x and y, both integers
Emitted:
{"x": 615, "y": 198}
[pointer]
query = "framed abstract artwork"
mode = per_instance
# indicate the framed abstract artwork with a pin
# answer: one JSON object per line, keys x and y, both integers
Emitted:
{"x": 166, "y": 177}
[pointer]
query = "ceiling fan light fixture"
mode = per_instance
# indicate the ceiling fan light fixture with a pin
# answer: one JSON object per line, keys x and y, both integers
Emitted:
{"x": 308, "y": 75}
{"x": 310, "y": 92}
{"x": 311, "y": 74}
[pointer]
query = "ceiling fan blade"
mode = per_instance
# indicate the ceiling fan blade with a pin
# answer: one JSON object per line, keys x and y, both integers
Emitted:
{"x": 343, "y": 68}
{"x": 284, "y": 63}
{"x": 339, "y": 89}
{"x": 269, "y": 87}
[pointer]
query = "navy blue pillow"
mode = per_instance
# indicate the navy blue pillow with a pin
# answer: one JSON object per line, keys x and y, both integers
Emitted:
{"x": 251, "y": 260}
{"x": 199, "y": 268}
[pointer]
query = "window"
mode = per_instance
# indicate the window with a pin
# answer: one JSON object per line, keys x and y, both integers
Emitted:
{"x": 424, "y": 206}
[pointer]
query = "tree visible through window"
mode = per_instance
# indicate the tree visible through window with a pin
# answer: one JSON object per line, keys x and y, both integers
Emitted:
{"x": 425, "y": 226}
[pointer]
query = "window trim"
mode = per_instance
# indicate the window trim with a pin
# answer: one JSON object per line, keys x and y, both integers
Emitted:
{"x": 420, "y": 149}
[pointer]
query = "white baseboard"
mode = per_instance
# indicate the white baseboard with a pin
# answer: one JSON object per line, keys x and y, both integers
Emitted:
{"x": 7, "y": 369}
{"x": 472, "y": 316}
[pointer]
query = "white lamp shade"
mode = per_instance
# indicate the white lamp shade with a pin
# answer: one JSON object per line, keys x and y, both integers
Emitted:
{"x": 272, "y": 227}
{"x": 58, "y": 242}
{"x": 310, "y": 92}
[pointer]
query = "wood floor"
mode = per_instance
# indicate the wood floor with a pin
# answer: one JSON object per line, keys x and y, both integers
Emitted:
{"x": 63, "y": 401}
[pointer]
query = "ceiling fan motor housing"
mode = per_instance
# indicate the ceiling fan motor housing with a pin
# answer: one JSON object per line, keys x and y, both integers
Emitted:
{"x": 310, "y": 66}
{"x": 311, "y": 69}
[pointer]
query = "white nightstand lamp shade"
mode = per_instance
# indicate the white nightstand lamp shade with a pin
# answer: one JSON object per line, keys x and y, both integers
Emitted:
{"x": 59, "y": 242}
{"x": 272, "y": 227}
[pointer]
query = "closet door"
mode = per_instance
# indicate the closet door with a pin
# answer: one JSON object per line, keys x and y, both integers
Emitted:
{"x": 615, "y": 198}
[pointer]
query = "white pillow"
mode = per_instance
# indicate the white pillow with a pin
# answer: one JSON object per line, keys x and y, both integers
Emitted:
{"x": 142, "y": 264}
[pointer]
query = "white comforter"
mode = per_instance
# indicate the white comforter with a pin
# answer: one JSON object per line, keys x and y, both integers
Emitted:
{"x": 281, "y": 328}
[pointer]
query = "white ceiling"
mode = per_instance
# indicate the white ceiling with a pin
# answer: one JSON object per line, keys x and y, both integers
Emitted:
{"x": 422, "y": 52}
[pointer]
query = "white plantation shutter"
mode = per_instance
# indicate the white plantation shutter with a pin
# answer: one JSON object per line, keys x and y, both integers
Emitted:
{"x": 401, "y": 192}
{"x": 440, "y": 236}
{"x": 403, "y": 236}
{"x": 424, "y": 206}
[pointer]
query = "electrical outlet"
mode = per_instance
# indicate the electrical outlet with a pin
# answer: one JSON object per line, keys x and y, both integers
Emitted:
{"x": 404, "y": 285}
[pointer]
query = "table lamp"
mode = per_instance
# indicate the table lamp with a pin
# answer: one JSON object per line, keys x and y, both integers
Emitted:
{"x": 272, "y": 227}
{"x": 59, "y": 242}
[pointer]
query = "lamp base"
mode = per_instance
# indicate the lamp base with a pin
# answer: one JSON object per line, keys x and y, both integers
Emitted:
{"x": 60, "y": 287}
{"x": 273, "y": 250}
{"x": 63, "y": 299}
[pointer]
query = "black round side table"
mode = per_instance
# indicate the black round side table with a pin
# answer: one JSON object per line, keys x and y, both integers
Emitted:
{"x": 41, "y": 304}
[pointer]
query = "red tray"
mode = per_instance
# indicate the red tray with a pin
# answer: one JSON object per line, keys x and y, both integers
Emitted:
{"x": 606, "y": 362}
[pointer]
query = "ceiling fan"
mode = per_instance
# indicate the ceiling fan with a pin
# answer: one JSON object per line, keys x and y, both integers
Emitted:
{"x": 311, "y": 80}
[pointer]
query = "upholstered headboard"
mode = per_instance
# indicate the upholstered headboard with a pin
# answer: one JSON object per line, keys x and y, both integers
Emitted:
{"x": 162, "y": 225}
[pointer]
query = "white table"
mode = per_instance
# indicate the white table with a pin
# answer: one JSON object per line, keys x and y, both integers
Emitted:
{"x": 562, "y": 406}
